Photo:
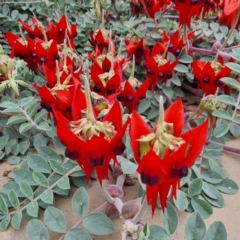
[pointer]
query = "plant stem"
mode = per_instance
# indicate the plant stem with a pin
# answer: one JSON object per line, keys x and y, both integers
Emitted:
{"x": 236, "y": 107}
{"x": 231, "y": 30}
{"x": 141, "y": 212}
{"x": 225, "y": 147}
{"x": 209, "y": 52}
{"x": 145, "y": 9}
{"x": 49, "y": 188}
{"x": 192, "y": 90}
{"x": 105, "y": 193}
{"x": 6, "y": 114}
{"x": 120, "y": 180}
{"x": 18, "y": 3}
{"x": 98, "y": 209}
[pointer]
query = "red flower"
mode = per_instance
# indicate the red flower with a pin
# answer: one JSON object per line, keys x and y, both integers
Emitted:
{"x": 187, "y": 10}
{"x": 95, "y": 151}
{"x": 176, "y": 42}
{"x": 34, "y": 31}
{"x": 207, "y": 77}
{"x": 135, "y": 48}
{"x": 158, "y": 68}
{"x": 164, "y": 157}
{"x": 130, "y": 98}
{"x": 98, "y": 40}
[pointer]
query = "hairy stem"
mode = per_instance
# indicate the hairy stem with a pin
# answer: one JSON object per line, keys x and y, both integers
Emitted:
{"x": 49, "y": 188}
{"x": 236, "y": 107}
{"x": 231, "y": 30}
{"x": 141, "y": 212}
{"x": 98, "y": 209}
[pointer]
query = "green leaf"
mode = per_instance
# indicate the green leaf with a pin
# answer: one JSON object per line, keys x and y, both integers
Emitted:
{"x": 40, "y": 115}
{"x": 215, "y": 202}
{"x": 16, "y": 120}
{"x": 24, "y": 175}
{"x": 168, "y": 91}
{"x": 3, "y": 141}
{"x": 195, "y": 187}
{"x": 221, "y": 130}
{"x": 64, "y": 183}
{"x": 185, "y": 59}
{"x": 7, "y": 187}
{"x": 25, "y": 127}
{"x": 233, "y": 66}
{"x": 24, "y": 145}
{"x": 36, "y": 230}
{"x": 221, "y": 114}
{"x": 210, "y": 190}
{"x": 32, "y": 209}
{"x": 80, "y": 202}
{"x": 181, "y": 68}
{"x": 181, "y": 202}
{"x": 58, "y": 145}
{"x": 47, "y": 153}
{"x": 234, "y": 129}
{"x": 3, "y": 205}
{"x": 47, "y": 196}
{"x": 81, "y": 182}
{"x": 212, "y": 176}
{"x": 55, "y": 220}
{"x": 56, "y": 167}
{"x": 170, "y": 219}
{"x": 216, "y": 231}
{"x": 43, "y": 126}
{"x": 98, "y": 223}
{"x": 77, "y": 234}
{"x": 26, "y": 190}
{"x": 176, "y": 80}
{"x": 228, "y": 186}
{"x": 157, "y": 233}
{"x": 56, "y": 189}
{"x": 5, "y": 9}
{"x": 37, "y": 163}
{"x": 231, "y": 82}
{"x": 144, "y": 106}
{"x": 195, "y": 227}
{"x": 185, "y": 180}
{"x": 14, "y": 14}
{"x": 15, "y": 150}
{"x": 39, "y": 141}
{"x": 155, "y": 36}
{"x": 13, "y": 160}
{"x": 226, "y": 99}
{"x": 40, "y": 179}
{"x": 202, "y": 207}
{"x": 16, "y": 220}
{"x": 127, "y": 166}
{"x": 4, "y": 223}
{"x": 13, "y": 199}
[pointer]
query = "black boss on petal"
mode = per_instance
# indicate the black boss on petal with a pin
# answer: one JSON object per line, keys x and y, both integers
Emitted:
{"x": 96, "y": 88}
{"x": 72, "y": 154}
{"x": 96, "y": 161}
{"x": 150, "y": 180}
{"x": 130, "y": 98}
{"x": 118, "y": 150}
{"x": 206, "y": 80}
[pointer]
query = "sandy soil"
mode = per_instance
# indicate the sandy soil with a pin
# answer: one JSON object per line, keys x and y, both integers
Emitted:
{"x": 229, "y": 214}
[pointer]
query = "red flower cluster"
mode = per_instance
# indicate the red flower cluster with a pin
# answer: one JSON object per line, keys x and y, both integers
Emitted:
{"x": 42, "y": 45}
{"x": 189, "y": 8}
{"x": 147, "y": 7}
{"x": 208, "y": 75}
{"x": 165, "y": 155}
{"x": 157, "y": 66}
